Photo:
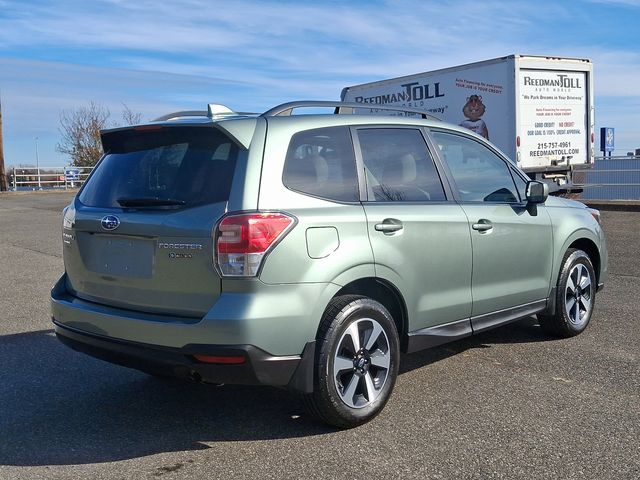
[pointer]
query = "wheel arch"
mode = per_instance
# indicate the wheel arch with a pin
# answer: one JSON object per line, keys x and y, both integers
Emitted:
{"x": 579, "y": 240}
{"x": 591, "y": 249}
{"x": 388, "y": 295}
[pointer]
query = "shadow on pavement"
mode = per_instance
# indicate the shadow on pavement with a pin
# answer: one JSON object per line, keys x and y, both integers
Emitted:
{"x": 523, "y": 331}
{"x": 59, "y": 407}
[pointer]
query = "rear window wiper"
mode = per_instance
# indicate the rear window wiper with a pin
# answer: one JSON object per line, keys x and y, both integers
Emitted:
{"x": 149, "y": 202}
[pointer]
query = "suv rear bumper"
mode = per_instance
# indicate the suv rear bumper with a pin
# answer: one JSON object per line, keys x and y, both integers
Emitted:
{"x": 254, "y": 313}
{"x": 248, "y": 324}
{"x": 259, "y": 368}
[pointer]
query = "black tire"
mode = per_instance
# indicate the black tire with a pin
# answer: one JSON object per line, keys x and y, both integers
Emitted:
{"x": 574, "y": 306}
{"x": 335, "y": 400}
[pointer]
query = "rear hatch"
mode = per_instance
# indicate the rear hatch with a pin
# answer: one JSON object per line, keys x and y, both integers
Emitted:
{"x": 139, "y": 234}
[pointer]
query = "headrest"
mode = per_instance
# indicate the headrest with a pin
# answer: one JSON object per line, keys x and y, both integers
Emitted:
{"x": 409, "y": 170}
{"x": 401, "y": 172}
{"x": 320, "y": 166}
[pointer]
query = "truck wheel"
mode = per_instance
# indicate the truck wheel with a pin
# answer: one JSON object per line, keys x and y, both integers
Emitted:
{"x": 575, "y": 296}
{"x": 357, "y": 361}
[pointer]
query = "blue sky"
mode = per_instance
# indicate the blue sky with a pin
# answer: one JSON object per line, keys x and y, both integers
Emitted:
{"x": 158, "y": 57}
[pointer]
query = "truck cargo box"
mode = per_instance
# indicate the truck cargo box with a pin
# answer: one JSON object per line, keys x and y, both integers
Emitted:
{"x": 538, "y": 110}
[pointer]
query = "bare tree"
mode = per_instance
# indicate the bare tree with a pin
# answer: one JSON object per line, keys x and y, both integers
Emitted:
{"x": 129, "y": 116}
{"x": 80, "y": 131}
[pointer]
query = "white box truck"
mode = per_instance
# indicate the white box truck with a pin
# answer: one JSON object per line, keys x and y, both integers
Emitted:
{"x": 538, "y": 110}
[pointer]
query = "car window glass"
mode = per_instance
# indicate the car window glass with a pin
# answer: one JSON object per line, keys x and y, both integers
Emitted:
{"x": 480, "y": 174}
{"x": 521, "y": 185}
{"x": 398, "y": 165}
{"x": 189, "y": 165}
{"x": 321, "y": 162}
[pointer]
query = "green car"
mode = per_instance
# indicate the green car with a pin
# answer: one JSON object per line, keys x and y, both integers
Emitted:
{"x": 308, "y": 251}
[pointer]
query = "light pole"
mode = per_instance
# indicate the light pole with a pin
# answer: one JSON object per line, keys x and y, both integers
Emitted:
{"x": 38, "y": 165}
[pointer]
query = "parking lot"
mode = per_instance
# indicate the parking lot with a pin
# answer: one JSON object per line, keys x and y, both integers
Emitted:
{"x": 509, "y": 403}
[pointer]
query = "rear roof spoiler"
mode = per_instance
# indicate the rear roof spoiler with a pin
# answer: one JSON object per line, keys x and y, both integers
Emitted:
{"x": 214, "y": 111}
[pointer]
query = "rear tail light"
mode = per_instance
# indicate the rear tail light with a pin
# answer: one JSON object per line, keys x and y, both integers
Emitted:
{"x": 242, "y": 241}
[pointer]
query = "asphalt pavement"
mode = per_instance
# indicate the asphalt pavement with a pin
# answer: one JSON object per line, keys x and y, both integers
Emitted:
{"x": 511, "y": 403}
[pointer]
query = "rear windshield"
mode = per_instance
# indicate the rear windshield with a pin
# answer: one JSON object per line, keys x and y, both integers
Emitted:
{"x": 171, "y": 166}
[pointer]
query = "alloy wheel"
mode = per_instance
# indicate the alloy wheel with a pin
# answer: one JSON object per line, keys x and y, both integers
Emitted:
{"x": 578, "y": 295}
{"x": 361, "y": 363}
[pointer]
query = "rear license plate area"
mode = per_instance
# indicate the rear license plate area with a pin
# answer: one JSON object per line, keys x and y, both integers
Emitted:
{"x": 118, "y": 256}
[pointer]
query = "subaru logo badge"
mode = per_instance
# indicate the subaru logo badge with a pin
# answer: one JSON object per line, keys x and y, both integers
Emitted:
{"x": 110, "y": 222}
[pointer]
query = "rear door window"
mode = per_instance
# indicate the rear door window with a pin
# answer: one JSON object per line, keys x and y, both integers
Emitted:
{"x": 398, "y": 166}
{"x": 321, "y": 163}
{"x": 171, "y": 166}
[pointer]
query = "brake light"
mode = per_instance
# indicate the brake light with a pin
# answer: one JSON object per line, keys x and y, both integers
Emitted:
{"x": 144, "y": 128}
{"x": 242, "y": 241}
{"x": 225, "y": 360}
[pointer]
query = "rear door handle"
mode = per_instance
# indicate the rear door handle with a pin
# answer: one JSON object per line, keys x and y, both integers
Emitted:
{"x": 483, "y": 225}
{"x": 389, "y": 225}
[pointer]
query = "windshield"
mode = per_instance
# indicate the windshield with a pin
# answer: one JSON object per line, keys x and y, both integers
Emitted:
{"x": 163, "y": 167}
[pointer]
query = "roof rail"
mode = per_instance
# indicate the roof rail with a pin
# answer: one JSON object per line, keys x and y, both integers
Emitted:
{"x": 216, "y": 111}
{"x": 184, "y": 113}
{"x": 287, "y": 109}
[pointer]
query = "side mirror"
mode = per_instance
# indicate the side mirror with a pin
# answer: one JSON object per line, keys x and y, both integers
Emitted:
{"x": 537, "y": 192}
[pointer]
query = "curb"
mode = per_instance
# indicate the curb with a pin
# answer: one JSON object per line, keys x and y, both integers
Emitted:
{"x": 614, "y": 205}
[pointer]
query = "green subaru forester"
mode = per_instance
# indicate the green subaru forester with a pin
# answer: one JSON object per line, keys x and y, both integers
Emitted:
{"x": 308, "y": 251}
